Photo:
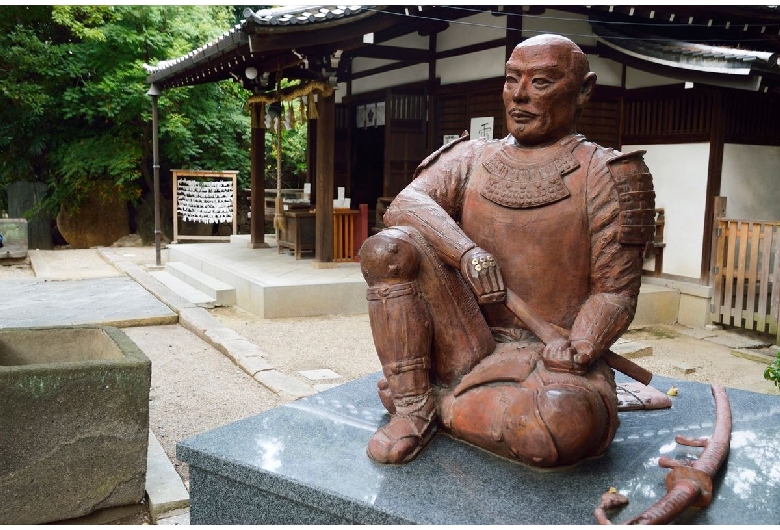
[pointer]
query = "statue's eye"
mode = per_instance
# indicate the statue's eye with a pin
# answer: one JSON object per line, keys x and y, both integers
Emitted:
{"x": 541, "y": 82}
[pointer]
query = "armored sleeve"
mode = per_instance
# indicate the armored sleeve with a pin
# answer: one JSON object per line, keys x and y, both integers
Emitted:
{"x": 432, "y": 202}
{"x": 621, "y": 208}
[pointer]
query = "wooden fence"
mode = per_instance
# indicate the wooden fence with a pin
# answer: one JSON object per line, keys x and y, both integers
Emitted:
{"x": 746, "y": 274}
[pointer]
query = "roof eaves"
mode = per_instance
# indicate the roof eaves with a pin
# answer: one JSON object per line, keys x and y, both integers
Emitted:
{"x": 238, "y": 35}
{"x": 686, "y": 55}
{"x": 229, "y": 40}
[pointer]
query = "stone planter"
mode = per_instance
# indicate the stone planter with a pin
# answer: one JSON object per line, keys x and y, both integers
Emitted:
{"x": 74, "y": 422}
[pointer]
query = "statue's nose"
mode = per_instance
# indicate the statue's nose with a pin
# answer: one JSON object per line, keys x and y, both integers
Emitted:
{"x": 521, "y": 92}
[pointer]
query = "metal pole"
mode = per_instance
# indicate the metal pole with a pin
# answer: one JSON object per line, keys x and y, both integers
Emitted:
{"x": 156, "y": 166}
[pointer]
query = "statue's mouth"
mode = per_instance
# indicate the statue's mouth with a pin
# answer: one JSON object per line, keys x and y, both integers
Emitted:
{"x": 522, "y": 116}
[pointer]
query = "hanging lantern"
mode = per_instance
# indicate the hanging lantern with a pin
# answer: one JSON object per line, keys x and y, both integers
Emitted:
{"x": 275, "y": 109}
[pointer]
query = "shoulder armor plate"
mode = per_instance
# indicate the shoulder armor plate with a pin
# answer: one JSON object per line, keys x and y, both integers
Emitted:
{"x": 634, "y": 185}
{"x": 430, "y": 159}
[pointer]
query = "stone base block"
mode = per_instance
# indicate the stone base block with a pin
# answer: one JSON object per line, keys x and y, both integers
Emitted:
{"x": 656, "y": 305}
{"x": 74, "y": 422}
{"x": 306, "y": 463}
{"x": 14, "y": 232}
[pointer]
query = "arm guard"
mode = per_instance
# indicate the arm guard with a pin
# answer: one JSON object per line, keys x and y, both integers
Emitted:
{"x": 620, "y": 229}
{"x": 636, "y": 197}
{"x": 602, "y": 319}
{"x": 431, "y": 203}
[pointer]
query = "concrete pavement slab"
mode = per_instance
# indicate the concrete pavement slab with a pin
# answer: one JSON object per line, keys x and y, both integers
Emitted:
{"x": 734, "y": 340}
{"x": 71, "y": 265}
{"x": 114, "y": 301}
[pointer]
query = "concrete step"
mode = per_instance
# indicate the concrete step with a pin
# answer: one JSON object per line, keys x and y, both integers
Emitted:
{"x": 223, "y": 293}
{"x": 183, "y": 289}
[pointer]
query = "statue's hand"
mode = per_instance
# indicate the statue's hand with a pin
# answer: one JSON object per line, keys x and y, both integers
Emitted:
{"x": 561, "y": 356}
{"x": 481, "y": 271}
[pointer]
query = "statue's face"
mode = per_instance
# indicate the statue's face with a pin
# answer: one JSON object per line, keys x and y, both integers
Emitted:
{"x": 542, "y": 92}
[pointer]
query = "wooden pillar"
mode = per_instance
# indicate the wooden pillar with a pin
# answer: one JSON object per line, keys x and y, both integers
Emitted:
{"x": 326, "y": 145}
{"x": 514, "y": 28}
{"x": 257, "y": 198}
{"x": 714, "y": 172}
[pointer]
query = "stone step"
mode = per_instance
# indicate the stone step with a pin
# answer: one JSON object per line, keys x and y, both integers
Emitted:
{"x": 224, "y": 294}
{"x": 656, "y": 305}
{"x": 183, "y": 289}
{"x": 632, "y": 349}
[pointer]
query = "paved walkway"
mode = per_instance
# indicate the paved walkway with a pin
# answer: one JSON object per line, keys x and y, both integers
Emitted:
{"x": 117, "y": 301}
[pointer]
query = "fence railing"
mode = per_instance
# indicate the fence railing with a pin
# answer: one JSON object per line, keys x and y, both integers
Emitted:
{"x": 746, "y": 274}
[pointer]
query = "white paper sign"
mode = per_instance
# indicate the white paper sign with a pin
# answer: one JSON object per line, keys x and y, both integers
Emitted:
{"x": 450, "y": 138}
{"x": 481, "y": 128}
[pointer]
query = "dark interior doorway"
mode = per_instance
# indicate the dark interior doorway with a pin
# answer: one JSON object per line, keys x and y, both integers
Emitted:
{"x": 368, "y": 166}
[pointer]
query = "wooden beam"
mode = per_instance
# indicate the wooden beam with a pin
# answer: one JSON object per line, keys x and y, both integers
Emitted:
{"x": 714, "y": 173}
{"x": 385, "y": 68}
{"x": 472, "y": 48}
{"x": 326, "y": 134}
{"x": 257, "y": 182}
{"x": 393, "y": 53}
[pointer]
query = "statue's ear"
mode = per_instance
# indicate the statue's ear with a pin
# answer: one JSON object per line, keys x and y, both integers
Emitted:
{"x": 586, "y": 90}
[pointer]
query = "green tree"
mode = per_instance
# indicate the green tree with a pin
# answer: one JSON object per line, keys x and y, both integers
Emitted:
{"x": 294, "y": 158}
{"x": 74, "y": 107}
{"x": 29, "y": 58}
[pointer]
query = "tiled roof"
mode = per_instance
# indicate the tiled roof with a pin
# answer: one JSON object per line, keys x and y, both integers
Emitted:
{"x": 237, "y": 36}
{"x": 290, "y": 15}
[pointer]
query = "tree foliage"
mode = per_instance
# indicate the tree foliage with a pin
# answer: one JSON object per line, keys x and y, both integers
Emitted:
{"x": 73, "y": 103}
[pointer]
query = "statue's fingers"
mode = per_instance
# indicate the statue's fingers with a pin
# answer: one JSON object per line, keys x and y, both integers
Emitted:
{"x": 490, "y": 279}
{"x": 494, "y": 276}
{"x": 484, "y": 278}
{"x": 499, "y": 279}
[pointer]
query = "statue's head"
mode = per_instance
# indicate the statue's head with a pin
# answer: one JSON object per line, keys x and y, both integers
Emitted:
{"x": 548, "y": 82}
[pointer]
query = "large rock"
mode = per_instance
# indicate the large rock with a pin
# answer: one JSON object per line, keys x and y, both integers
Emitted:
{"x": 74, "y": 422}
{"x": 100, "y": 220}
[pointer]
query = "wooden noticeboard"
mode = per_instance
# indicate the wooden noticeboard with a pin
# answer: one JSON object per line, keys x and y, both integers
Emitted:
{"x": 204, "y": 197}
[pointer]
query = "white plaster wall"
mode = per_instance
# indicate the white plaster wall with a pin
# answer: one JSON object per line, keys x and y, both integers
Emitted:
{"x": 471, "y": 67}
{"x": 402, "y": 76}
{"x": 751, "y": 181}
{"x": 412, "y": 40}
{"x": 680, "y": 182}
{"x": 609, "y": 72}
{"x": 471, "y": 30}
{"x": 411, "y": 74}
{"x": 639, "y": 79}
{"x": 571, "y": 25}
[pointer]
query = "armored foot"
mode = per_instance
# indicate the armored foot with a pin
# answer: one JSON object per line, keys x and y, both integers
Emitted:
{"x": 408, "y": 432}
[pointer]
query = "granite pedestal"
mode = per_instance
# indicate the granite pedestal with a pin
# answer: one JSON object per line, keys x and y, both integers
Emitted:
{"x": 306, "y": 463}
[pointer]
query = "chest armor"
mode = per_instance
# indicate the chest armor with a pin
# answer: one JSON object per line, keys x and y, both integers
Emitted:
{"x": 528, "y": 208}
